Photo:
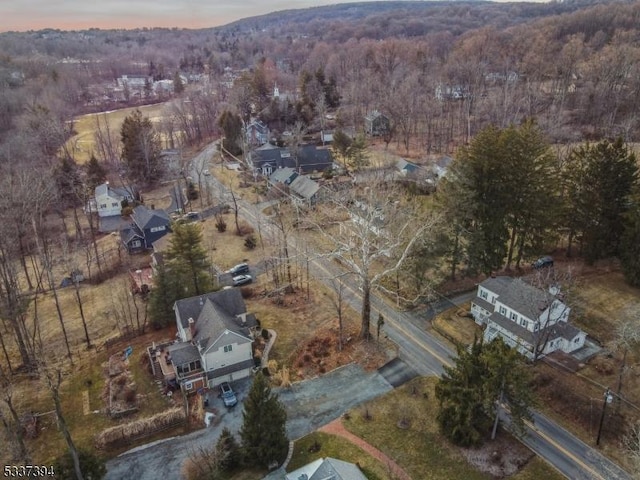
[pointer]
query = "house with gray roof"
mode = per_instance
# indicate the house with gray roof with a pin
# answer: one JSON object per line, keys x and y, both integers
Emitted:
{"x": 301, "y": 189}
{"x": 148, "y": 225}
{"x": 216, "y": 334}
{"x": 107, "y": 200}
{"x": 305, "y": 159}
{"x": 327, "y": 469}
{"x": 531, "y": 320}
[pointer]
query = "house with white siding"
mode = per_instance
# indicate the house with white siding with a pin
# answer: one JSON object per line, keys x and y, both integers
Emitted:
{"x": 216, "y": 335}
{"x": 531, "y": 320}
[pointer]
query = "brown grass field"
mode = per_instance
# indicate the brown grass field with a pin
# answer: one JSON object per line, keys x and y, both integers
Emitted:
{"x": 82, "y": 144}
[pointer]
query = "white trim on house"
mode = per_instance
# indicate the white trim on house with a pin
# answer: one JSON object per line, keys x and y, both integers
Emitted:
{"x": 526, "y": 318}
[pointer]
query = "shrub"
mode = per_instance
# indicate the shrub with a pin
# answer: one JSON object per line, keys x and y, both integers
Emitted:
{"x": 265, "y": 334}
{"x": 250, "y": 242}
{"x": 221, "y": 225}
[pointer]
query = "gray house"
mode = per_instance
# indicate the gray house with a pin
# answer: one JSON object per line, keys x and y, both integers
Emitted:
{"x": 376, "y": 124}
{"x": 306, "y": 159}
{"x": 327, "y": 469}
{"x": 148, "y": 225}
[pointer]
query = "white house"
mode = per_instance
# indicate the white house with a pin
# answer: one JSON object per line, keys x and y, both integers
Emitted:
{"x": 108, "y": 200}
{"x": 327, "y": 469}
{"x": 531, "y": 320}
{"x": 216, "y": 335}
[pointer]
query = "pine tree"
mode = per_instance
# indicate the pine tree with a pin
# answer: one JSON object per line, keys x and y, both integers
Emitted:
{"x": 178, "y": 85}
{"x": 469, "y": 391}
{"x": 231, "y": 125}
{"x": 187, "y": 260}
{"x": 96, "y": 173}
{"x": 140, "y": 148}
{"x": 162, "y": 297}
{"x": 264, "y": 438}
{"x": 227, "y": 451}
{"x": 630, "y": 243}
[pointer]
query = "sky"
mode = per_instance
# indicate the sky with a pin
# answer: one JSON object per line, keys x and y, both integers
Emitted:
{"x": 22, "y": 15}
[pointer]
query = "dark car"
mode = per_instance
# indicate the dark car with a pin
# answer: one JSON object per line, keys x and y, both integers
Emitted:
{"x": 242, "y": 280}
{"x": 543, "y": 262}
{"x": 240, "y": 268}
{"x": 228, "y": 397}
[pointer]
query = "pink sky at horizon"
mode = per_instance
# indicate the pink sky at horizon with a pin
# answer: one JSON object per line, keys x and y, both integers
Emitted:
{"x": 23, "y": 15}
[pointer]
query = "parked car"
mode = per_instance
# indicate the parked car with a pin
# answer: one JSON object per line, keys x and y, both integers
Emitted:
{"x": 543, "y": 262}
{"x": 240, "y": 268}
{"x": 242, "y": 280}
{"x": 228, "y": 397}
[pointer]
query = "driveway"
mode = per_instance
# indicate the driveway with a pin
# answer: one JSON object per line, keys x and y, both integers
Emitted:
{"x": 309, "y": 404}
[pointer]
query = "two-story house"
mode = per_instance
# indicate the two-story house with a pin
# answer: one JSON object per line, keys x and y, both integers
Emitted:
{"x": 148, "y": 225}
{"x": 305, "y": 159}
{"x": 107, "y": 200}
{"x": 376, "y": 124}
{"x": 302, "y": 190}
{"x": 257, "y": 133}
{"x": 216, "y": 336}
{"x": 533, "y": 321}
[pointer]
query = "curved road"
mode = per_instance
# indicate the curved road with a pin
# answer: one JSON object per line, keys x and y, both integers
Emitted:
{"x": 427, "y": 355}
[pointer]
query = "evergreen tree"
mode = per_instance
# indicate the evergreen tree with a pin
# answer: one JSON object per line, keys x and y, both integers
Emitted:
{"x": 92, "y": 466}
{"x": 609, "y": 172}
{"x": 96, "y": 173}
{"x": 140, "y": 148}
{"x": 68, "y": 182}
{"x": 263, "y": 433}
{"x": 178, "y": 85}
{"x": 469, "y": 391}
{"x": 162, "y": 297}
{"x": 630, "y": 243}
{"x": 187, "y": 260}
{"x": 227, "y": 451}
{"x": 231, "y": 125}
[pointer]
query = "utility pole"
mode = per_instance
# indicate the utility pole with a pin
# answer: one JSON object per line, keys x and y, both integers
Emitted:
{"x": 608, "y": 398}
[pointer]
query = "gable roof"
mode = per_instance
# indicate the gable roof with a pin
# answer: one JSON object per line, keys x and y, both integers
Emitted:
{"x": 214, "y": 313}
{"x": 518, "y": 295}
{"x": 406, "y": 166}
{"x": 327, "y": 469}
{"x": 146, "y": 218}
{"x": 283, "y": 175}
{"x": 129, "y": 233}
{"x": 310, "y": 158}
{"x": 304, "y": 187}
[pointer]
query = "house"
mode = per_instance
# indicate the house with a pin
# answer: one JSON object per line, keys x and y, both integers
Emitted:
{"x": 308, "y": 158}
{"x": 326, "y": 136}
{"x": 452, "y": 92}
{"x": 327, "y": 469}
{"x": 376, "y": 124}
{"x": 441, "y": 166}
{"x": 148, "y": 225}
{"x": 406, "y": 168}
{"x": 134, "y": 81}
{"x": 533, "y": 321}
{"x": 257, "y": 133}
{"x": 108, "y": 200}
{"x": 302, "y": 190}
{"x": 215, "y": 335}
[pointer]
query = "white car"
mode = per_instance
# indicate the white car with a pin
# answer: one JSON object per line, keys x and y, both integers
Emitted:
{"x": 242, "y": 280}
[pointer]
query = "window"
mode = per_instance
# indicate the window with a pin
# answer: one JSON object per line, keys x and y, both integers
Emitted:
{"x": 503, "y": 311}
{"x": 157, "y": 229}
{"x": 228, "y": 348}
{"x": 536, "y": 326}
{"x": 188, "y": 385}
{"x": 114, "y": 204}
{"x": 514, "y": 316}
{"x": 483, "y": 294}
{"x": 136, "y": 243}
{"x": 103, "y": 205}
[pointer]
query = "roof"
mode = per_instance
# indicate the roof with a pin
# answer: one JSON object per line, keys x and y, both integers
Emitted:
{"x": 258, "y": 126}
{"x": 182, "y": 353}
{"x": 146, "y": 218}
{"x": 518, "y": 295}
{"x": 214, "y": 313}
{"x": 409, "y": 167}
{"x": 283, "y": 175}
{"x": 327, "y": 469}
{"x": 162, "y": 244}
{"x": 234, "y": 367}
{"x": 373, "y": 115}
{"x": 304, "y": 187}
{"x": 129, "y": 233}
{"x": 310, "y": 158}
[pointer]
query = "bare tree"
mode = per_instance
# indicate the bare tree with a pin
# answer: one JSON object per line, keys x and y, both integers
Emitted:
{"x": 632, "y": 446}
{"x": 371, "y": 232}
{"x": 627, "y": 339}
{"x": 337, "y": 299}
{"x": 13, "y": 426}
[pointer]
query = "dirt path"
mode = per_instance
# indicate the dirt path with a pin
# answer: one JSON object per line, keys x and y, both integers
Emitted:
{"x": 337, "y": 428}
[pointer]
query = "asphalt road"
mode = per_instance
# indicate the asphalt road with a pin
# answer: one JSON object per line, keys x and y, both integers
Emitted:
{"x": 427, "y": 355}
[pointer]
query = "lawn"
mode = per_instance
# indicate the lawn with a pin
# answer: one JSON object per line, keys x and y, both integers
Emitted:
{"x": 82, "y": 144}
{"x": 456, "y": 325}
{"x": 418, "y": 447}
{"x": 335, "y": 447}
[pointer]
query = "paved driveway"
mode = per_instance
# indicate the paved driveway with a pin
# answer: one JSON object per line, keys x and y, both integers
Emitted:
{"x": 309, "y": 404}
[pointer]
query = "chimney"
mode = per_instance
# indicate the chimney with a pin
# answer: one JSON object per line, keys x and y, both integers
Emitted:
{"x": 192, "y": 328}
{"x": 153, "y": 207}
{"x": 242, "y": 317}
{"x": 201, "y": 301}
